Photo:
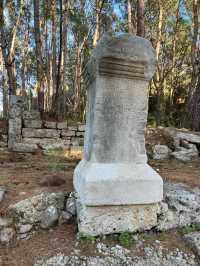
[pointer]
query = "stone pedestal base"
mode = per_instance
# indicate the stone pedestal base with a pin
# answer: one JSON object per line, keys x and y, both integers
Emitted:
{"x": 102, "y": 220}
{"x": 99, "y": 184}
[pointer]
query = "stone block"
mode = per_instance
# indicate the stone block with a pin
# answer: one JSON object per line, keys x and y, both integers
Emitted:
{"x": 81, "y": 127}
{"x": 161, "y": 152}
{"x": 80, "y": 134}
{"x": 32, "y": 123}
{"x": 40, "y": 133}
{"x": 15, "y": 106}
{"x": 67, "y": 133}
{"x": 62, "y": 125}
{"x": 104, "y": 220}
{"x": 24, "y": 147}
{"x": 50, "y": 124}
{"x": 73, "y": 128}
{"x": 128, "y": 183}
{"x": 3, "y": 144}
{"x": 31, "y": 115}
{"x": 15, "y": 127}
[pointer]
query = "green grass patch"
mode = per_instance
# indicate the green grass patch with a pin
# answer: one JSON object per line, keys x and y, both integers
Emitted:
{"x": 125, "y": 239}
{"x": 189, "y": 229}
{"x": 87, "y": 238}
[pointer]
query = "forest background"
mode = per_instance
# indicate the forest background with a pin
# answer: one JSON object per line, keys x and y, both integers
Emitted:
{"x": 45, "y": 44}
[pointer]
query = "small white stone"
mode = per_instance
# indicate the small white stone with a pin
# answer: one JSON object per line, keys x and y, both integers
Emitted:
{"x": 6, "y": 235}
{"x": 49, "y": 217}
{"x": 25, "y": 228}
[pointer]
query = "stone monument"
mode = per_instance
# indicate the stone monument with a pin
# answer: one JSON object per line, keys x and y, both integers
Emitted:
{"x": 117, "y": 190}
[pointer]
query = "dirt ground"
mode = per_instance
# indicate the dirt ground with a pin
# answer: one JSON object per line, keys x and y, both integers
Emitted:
{"x": 24, "y": 175}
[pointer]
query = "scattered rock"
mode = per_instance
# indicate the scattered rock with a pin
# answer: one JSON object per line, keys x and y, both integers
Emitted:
{"x": 180, "y": 206}
{"x": 25, "y": 228}
{"x": 5, "y": 222}
{"x": 185, "y": 154}
{"x": 49, "y": 217}
{"x": 194, "y": 240}
{"x": 6, "y": 235}
{"x": 71, "y": 204}
{"x": 117, "y": 256}
{"x": 2, "y": 193}
{"x": 24, "y": 147}
{"x": 30, "y": 210}
{"x": 65, "y": 217}
{"x": 161, "y": 152}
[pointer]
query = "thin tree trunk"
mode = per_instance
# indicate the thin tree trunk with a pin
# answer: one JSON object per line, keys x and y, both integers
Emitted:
{"x": 53, "y": 50}
{"x": 38, "y": 47}
{"x": 8, "y": 48}
{"x": 130, "y": 23}
{"x": 140, "y": 18}
{"x": 157, "y": 80}
{"x": 24, "y": 51}
{"x": 97, "y": 24}
{"x": 193, "y": 109}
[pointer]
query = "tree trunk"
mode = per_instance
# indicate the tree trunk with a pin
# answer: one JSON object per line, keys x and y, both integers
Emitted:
{"x": 8, "y": 48}
{"x": 38, "y": 55}
{"x": 157, "y": 79}
{"x": 140, "y": 18}
{"x": 97, "y": 24}
{"x": 59, "y": 105}
{"x": 130, "y": 22}
{"x": 193, "y": 109}
{"x": 53, "y": 50}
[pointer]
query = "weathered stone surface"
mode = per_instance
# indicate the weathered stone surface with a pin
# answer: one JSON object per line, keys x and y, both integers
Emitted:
{"x": 111, "y": 219}
{"x": 117, "y": 107}
{"x": 40, "y": 133}
{"x": 3, "y": 144}
{"x": 127, "y": 182}
{"x": 2, "y": 193}
{"x": 32, "y": 123}
{"x": 114, "y": 169}
{"x": 24, "y": 147}
{"x": 73, "y": 128}
{"x": 71, "y": 204}
{"x": 80, "y": 134}
{"x": 67, "y": 133}
{"x": 49, "y": 217}
{"x": 48, "y": 143}
{"x": 81, "y": 128}
{"x": 15, "y": 106}
{"x": 65, "y": 217}
{"x": 15, "y": 128}
{"x": 180, "y": 207}
{"x": 31, "y": 115}
{"x": 62, "y": 125}
{"x": 189, "y": 136}
{"x": 50, "y": 124}
{"x": 6, "y": 235}
{"x": 161, "y": 152}
{"x": 194, "y": 240}
{"x": 118, "y": 256}
{"x": 29, "y": 211}
{"x": 184, "y": 154}
{"x": 5, "y": 222}
{"x": 24, "y": 228}
{"x": 181, "y": 134}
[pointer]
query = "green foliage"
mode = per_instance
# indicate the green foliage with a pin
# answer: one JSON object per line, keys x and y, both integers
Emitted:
{"x": 125, "y": 239}
{"x": 189, "y": 229}
{"x": 57, "y": 167}
{"x": 87, "y": 238}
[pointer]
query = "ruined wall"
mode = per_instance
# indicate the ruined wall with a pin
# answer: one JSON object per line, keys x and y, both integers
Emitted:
{"x": 28, "y": 133}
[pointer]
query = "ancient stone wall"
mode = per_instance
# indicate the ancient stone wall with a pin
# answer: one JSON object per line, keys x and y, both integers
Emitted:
{"x": 28, "y": 132}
